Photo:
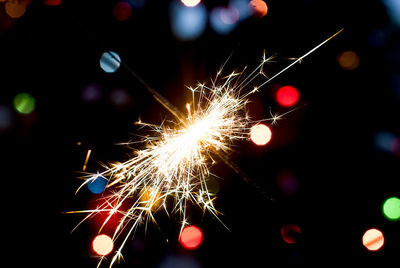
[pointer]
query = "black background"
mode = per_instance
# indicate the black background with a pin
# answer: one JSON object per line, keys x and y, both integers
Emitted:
{"x": 52, "y": 52}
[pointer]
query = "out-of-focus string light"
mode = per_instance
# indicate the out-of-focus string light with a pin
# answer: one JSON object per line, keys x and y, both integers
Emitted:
{"x": 91, "y": 93}
{"x": 393, "y": 10}
{"x": 242, "y": 6}
{"x": 137, "y": 3}
{"x": 223, "y": 20}
{"x": 348, "y": 60}
{"x": 190, "y": 3}
{"x": 52, "y": 2}
{"x": 102, "y": 245}
{"x": 387, "y": 142}
{"x": 97, "y": 185}
{"x": 391, "y": 209}
{"x": 373, "y": 239}
{"x": 258, "y": 8}
{"x": 287, "y": 96}
{"x": 120, "y": 98}
{"x": 24, "y": 103}
{"x": 188, "y": 23}
{"x": 179, "y": 261}
{"x": 287, "y": 182}
{"x": 260, "y": 134}
{"x": 122, "y": 11}
{"x": 110, "y": 61}
{"x": 6, "y": 118}
{"x": 16, "y": 9}
{"x": 290, "y": 233}
{"x": 191, "y": 237}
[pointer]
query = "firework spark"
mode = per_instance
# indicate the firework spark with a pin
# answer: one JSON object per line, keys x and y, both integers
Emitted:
{"x": 173, "y": 168}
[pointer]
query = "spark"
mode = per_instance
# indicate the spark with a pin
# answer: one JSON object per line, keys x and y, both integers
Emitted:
{"x": 86, "y": 160}
{"x": 172, "y": 168}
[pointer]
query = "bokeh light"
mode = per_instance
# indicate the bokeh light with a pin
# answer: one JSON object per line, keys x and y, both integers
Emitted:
{"x": 121, "y": 98}
{"x": 188, "y": 23}
{"x": 388, "y": 142}
{"x": 290, "y": 233}
{"x": 373, "y": 239}
{"x": 97, "y": 184}
{"x": 191, "y": 237}
{"x": 393, "y": 10}
{"x": 287, "y": 182}
{"x": 258, "y": 8}
{"x": 348, "y": 60}
{"x": 91, "y": 93}
{"x": 260, "y": 134}
{"x": 110, "y": 62}
{"x": 137, "y": 3}
{"x": 6, "y": 118}
{"x": 179, "y": 261}
{"x": 287, "y": 96}
{"x": 391, "y": 208}
{"x": 190, "y": 3}
{"x": 102, "y": 245}
{"x": 224, "y": 19}
{"x": 24, "y": 103}
{"x": 242, "y": 6}
{"x": 15, "y": 9}
{"x": 122, "y": 11}
{"x": 52, "y": 2}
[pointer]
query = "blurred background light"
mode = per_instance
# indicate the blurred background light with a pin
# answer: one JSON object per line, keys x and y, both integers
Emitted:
{"x": 348, "y": 60}
{"x": 122, "y": 11}
{"x": 393, "y": 10}
{"x": 287, "y": 182}
{"x": 242, "y": 6}
{"x": 172, "y": 261}
{"x": 102, "y": 245}
{"x": 137, "y": 3}
{"x": 258, "y": 8}
{"x": 391, "y": 208}
{"x": 191, "y": 237}
{"x": 6, "y": 118}
{"x": 97, "y": 185}
{"x": 290, "y": 233}
{"x": 386, "y": 141}
{"x": 188, "y": 23}
{"x": 260, "y": 134}
{"x": 287, "y": 96}
{"x": 110, "y": 61}
{"x": 52, "y": 2}
{"x": 24, "y": 103}
{"x": 91, "y": 93}
{"x": 15, "y": 9}
{"x": 121, "y": 98}
{"x": 377, "y": 38}
{"x": 190, "y": 3}
{"x": 373, "y": 239}
{"x": 224, "y": 19}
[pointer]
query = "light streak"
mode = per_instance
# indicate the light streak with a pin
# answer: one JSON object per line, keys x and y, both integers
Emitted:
{"x": 172, "y": 169}
{"x": 86, "y": 160}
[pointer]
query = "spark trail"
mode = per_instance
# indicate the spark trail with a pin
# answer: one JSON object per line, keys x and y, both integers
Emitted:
{"x": 172, "y": 169}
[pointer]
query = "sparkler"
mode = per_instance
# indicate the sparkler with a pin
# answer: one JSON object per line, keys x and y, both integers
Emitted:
{"x": 172, "y": 169}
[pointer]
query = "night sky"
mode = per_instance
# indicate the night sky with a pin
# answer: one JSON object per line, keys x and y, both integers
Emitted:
{"x": 331, "y": 144}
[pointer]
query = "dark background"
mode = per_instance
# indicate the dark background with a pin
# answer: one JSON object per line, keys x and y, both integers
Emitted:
{"x": 53, "y": 52}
